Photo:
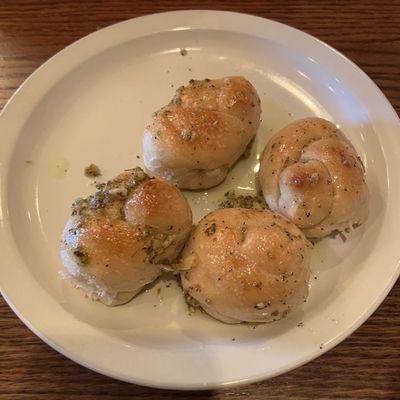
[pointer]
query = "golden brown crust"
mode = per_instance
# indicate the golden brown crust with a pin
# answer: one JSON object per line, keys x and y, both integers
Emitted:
{"x": 114, "y": 239}
{"x": 232, "y": 95}
{"x": 198, "y": 135}
{"x": 249, "y": 265}
{"x": 194, "y": 140}
{"x": 311, "y": 173}
{"x": 158, "y": 204}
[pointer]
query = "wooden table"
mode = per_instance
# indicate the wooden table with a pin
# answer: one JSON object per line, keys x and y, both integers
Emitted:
{"x": 366, "y": 365}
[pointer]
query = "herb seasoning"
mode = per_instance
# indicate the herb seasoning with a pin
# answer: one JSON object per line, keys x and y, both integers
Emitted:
{"x": 81, "y": 255}
{"x": 233, "y": 200}
{"x": 92, "y": 171}
{"x": 211, "y": 229}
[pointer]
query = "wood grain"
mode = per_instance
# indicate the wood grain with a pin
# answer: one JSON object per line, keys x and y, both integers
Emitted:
{"x": 366, "y": 365}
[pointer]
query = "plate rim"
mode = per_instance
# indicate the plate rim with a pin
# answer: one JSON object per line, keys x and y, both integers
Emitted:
{"x": 4, "y": 221}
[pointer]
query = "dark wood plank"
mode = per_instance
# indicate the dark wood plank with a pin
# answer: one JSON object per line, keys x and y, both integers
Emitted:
{"x": 366, "y": 365}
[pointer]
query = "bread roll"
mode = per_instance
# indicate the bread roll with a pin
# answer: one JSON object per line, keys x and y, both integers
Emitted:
{"x": 246, "y": 265}
{"x": 115, "y": 239}
{"x": 311, "y": 174}
{"x": 201, "y": 133}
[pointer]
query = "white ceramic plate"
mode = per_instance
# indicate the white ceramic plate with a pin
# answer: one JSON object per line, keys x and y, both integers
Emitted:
{"x": 90, "y": 103}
